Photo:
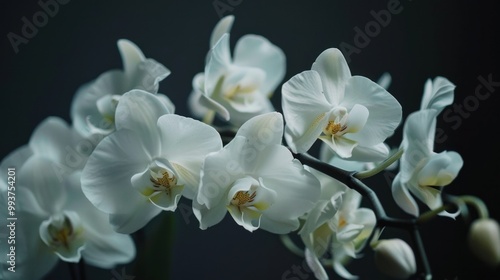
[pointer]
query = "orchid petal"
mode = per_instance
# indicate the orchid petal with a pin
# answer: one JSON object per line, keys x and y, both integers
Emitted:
{"x": 358, "y": 117}
{"x": 257, "y": 51}
{"x": 437, "y": 94}
{"x": 131, "y": 54}
{"x": 334, "y": 71}
{"x": 139, "y": 215}
{"x": 52, "y": 138}
{"x": 139, "y": 111}
{"x": 223, "y": 26}
{"x": 385, "y": 80}
{"x": 384, "y": 110}
{"x": 209, "y": 217}
{"x": 219, "y": 60}
{"x": 315, "y": 265}
{"x": 104, "y": 247}
{"x": 263, "y": 130}
{"x": 40, "y": 176}
{"x": 83, "y": 106}
{"x": 418, "y": 141}
{"x": 403, "y": 198}
{"x": 341, "y": 145}
{"x": 220, "y": 170}
{"x": 245, "y": 217}
{"x": 297, "y": 189}
{"x": 106, "y": 178}
{"x": 184, "y": 150}
{"x": 440, "y": 170}
{"x": 349, "y": 232}
{"x": 305, "y": 110}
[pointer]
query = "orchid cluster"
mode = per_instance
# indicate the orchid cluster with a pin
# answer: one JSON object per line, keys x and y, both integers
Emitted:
{"x": 85, "y": 187}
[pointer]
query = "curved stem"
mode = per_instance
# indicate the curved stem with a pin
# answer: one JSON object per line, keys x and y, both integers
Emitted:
{"x": 480, "y": 206}
{"x": 380, "y": 167}
{"x": 290, "y": 245}
{"x": 433, "y": 213}
{"x": 348, "y": 178}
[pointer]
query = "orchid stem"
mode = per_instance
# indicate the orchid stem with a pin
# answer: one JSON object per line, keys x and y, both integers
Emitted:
{"x": 72, "y": 271}
{"x": 432, "y": 213}
{"x": 380, "y": 167}
{"x": 290, "y": 245}
{"x": 81, "y": 268}
{"x": 349, "y": 179}
{"x": 477, "y": 203}
{"x": 420, "y": 252}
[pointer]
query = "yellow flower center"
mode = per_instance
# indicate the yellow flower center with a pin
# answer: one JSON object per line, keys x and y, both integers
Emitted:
{"x": 333, "y": 128}
{"x": 241, "y": 198}
{"x": 165, "y": 182}
{"x": 342, "y": 222}
{"x": 61, "y": 236}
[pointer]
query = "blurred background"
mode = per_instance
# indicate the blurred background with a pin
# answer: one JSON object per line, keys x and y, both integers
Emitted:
{"x": 422, "y": 39}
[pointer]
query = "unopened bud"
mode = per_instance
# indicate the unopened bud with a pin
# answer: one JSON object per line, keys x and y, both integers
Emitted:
{"x": 395, "y": 258}
{"x": 484, "y": 240}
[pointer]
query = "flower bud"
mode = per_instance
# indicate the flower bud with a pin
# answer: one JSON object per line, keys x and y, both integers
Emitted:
{"x": 395, "y": 258}
{"x": 484, "y": 240}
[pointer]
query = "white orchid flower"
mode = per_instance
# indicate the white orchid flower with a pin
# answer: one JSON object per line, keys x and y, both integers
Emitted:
{"x": 55, "y": 221}
{"x": 257, "y": 180}
{"x": 56, "y": 141}
{"x": 336, "y": 225}
{"x": 150, "y": 161}
{"x": 362, "y": 158}
{"x": 94, "y": 104}
{"x": 423, "y": 172}
{"x": 343, "y": 111}
{"x": 238, "y": 86}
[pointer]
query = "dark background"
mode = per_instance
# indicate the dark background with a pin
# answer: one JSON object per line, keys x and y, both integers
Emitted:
{"x": 454, "y": 39}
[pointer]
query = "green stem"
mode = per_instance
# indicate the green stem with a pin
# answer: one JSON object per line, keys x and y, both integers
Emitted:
{"x": 72, "y": 271}
{"x": 159, "y": 245}
{"x": 433, "y": 213}
{"x": 290, "y": 245}
{"x": 348, "y": 178}
{"x": 421, "y": 255}
{"x": 477, "y": 203}
{"x": 380, "y": 167}
{"x": 81, "y": 269}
